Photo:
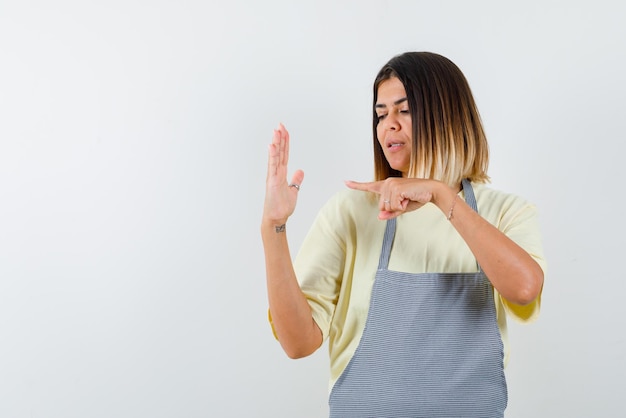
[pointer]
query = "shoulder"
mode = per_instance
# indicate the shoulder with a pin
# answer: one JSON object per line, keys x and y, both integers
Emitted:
{"x": 494, "y": 197}
{"x": 497, "y": 205}
{"x": 514, "y": 215}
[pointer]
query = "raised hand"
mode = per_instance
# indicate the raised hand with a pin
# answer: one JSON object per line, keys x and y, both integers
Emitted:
{"x": 280, "y": 195}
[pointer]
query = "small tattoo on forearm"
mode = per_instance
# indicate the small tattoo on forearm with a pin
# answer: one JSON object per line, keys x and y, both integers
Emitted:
{"x": 280, "y": 228}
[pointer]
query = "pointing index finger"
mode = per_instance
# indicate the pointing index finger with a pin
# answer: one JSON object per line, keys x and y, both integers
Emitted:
{"x": 364, "y": 186}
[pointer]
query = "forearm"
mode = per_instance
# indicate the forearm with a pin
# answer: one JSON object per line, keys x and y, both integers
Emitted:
{"x": 510, "y": 269}
{"x": 293, "y": 322}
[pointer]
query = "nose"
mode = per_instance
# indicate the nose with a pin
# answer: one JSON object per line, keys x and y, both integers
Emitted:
{"x": 391, "y": 122}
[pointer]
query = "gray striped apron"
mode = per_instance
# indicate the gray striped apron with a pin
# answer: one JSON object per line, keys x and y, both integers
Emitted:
{"x": 431, "y": 346}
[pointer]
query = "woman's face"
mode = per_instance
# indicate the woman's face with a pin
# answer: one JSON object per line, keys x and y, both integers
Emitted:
{"x": 395, "y": 127}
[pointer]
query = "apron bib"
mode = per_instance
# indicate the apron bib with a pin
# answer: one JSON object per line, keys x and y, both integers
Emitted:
{"x": 431, "y": 346}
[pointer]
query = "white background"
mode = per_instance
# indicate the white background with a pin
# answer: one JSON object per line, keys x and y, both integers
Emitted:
{"x": 133, "y": 144}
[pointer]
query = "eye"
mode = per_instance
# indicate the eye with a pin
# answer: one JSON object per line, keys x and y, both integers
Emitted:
{"x": 404, "y": 111}
{"x": 380, "y": 117}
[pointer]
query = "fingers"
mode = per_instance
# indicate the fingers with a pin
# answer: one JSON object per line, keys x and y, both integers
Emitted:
{"x": 273, "y": 158}
{"x": 399, "y": 203}
{"x": 277, "y": 164}
{"x": 280, "y": 141}
{"x": 390, "y": 203}
{"x": 278, "y": 151}
{"x": 285, "y": 138}
{"x": 396, "y": 195}
{"x": 297, "y": 179}
{"x": 385, "y": 215}
{"x": 282, "y": 146}
{"x": 280, "y": 199}
{"x": 373, "y": 187}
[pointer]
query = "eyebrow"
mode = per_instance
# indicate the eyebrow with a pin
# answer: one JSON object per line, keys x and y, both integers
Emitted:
{"x": 397, "y": 102}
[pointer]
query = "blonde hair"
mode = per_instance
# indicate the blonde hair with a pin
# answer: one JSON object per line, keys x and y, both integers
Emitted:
{"x": 449, "y": 142}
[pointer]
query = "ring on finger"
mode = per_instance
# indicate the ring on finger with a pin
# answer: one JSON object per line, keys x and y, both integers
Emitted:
{"x": 297, "y": 186}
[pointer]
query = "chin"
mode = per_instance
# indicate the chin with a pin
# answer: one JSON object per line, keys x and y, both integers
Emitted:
{"x": 401, "y": 168}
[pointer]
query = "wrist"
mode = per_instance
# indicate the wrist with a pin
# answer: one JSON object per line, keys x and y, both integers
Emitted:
{"x": 274, "y": 226}
{"x": 444, "y": 197}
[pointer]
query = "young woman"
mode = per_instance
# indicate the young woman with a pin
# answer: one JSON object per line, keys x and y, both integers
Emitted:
{"x": 411, "y": 276}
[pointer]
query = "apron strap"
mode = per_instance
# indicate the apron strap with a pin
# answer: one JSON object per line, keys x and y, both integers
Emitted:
{"x": 390, "y": 229}
{"x": 468, "y": 190}
{"x": 390, "y": 232}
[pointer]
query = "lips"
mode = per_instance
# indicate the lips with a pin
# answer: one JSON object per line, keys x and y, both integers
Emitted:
{"x": 394, "y": 145}
{"x": 397, "y": 153}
